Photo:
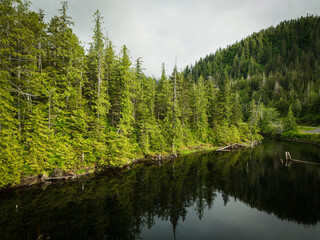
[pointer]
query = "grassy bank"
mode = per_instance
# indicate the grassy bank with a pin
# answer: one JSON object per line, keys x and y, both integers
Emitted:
{"x": 300, "y": 135}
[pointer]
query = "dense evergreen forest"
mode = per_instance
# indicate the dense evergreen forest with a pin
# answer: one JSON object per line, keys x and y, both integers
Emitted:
{"x": 277, "y": 69}
{"x": 67, "y": 107}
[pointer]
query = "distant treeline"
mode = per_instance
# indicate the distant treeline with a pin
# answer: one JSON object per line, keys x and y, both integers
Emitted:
{"x": 278, "y": 68}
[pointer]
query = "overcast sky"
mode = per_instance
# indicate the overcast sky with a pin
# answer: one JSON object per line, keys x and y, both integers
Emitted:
{"x": 158, "y": 30}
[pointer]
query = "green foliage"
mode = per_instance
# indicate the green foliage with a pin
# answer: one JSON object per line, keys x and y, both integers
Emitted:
{"x": 63, "y": 107}
{"x": 289, "y": 121}
{"x": 10, "y": 157}
{"x": 314, "y": 138}
{"x": 227, "y": 134}
{"x": 270, "y": 122}
{"x": 38, "y": 143}
{"x": 200, "y": 106}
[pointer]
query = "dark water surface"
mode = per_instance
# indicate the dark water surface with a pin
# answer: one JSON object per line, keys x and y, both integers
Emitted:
{"x": 230, "y": 195}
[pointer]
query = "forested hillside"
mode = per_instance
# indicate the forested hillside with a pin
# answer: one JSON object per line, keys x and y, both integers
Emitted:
{"x": 278, "y": 69}
{"x": 65, "y": 106}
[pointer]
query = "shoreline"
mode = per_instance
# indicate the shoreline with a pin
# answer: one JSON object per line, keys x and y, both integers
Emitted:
{"x": 289, "y": 139}
{"x": 63, "y": 177}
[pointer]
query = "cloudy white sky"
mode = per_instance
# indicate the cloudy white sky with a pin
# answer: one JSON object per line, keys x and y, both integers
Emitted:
{"x": 158, "y": 30}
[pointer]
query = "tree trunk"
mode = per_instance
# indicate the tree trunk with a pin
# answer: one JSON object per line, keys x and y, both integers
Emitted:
{"x": 40, "y": 60}
{"x": 174, "y": 101}
{"x": 49, "y": 117}
{"x": 19, "y": 114}
{"x": 174, "y": 97}
{"x": 19, "y": 111}
{"x": 99, "y": 85}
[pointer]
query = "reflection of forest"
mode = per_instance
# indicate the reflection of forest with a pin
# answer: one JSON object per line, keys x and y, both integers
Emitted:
{"x": 118, "y": 206}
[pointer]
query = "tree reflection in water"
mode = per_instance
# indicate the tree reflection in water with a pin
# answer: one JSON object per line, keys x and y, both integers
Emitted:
{"x": 119, "y": 204}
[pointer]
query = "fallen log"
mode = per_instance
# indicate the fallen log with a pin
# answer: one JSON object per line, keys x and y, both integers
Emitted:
{"x": 255, "y": 143}
{"x": 232, "y": 147}
{"x": 226, "y": 148}
{"x": 52, "y": 179}
{"x": 289, "y": 159}
{"x": 63, "y": 178}
{"x": 300, "y": 161}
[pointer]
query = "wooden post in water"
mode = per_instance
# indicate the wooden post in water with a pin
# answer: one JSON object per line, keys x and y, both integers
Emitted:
{"x": 288, "y": 158}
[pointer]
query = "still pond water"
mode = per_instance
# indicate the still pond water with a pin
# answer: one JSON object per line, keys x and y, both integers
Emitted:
{"x": 228, "y": 195}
